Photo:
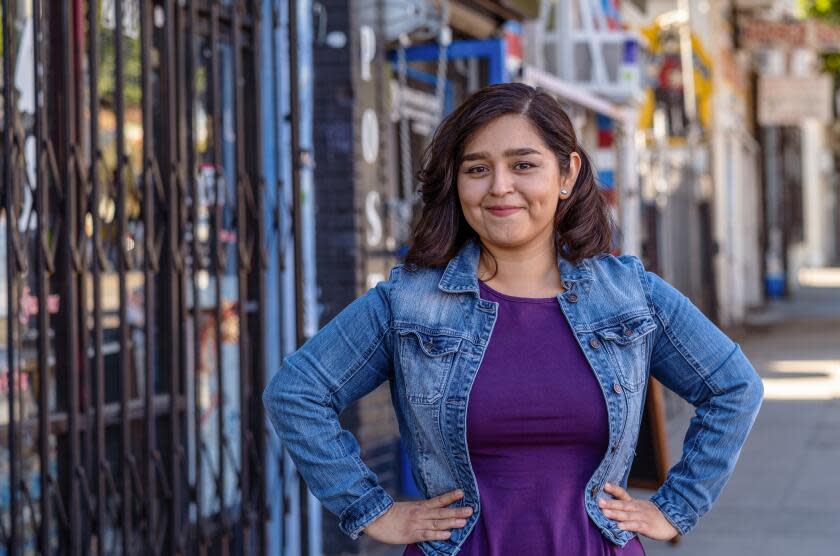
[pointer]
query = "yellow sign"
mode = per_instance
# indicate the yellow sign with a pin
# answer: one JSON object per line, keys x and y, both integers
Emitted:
{"x": 665, "y": 82}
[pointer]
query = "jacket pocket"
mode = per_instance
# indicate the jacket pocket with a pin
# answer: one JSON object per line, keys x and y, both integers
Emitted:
{"x": 425, "y": 359}
{"x": 627, "y": 344}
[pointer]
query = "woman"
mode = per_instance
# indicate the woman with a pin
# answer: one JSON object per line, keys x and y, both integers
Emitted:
{"x": 517, "y": 351}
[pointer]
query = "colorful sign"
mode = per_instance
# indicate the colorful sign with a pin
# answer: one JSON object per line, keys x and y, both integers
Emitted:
{"x": 665, "y": 80}
{"x": 813, "y": 34}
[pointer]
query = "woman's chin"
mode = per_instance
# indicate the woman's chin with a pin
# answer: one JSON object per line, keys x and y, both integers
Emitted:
{"x": 505, "y": 241}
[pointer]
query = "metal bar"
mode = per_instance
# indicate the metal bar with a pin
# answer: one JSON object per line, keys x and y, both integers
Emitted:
{"x": 68, "y": 275}
{"x": 42, "y": 282}
{"x": 278, "y": 153}
{"x": 256, "y": 422}
{"x": 9, "y": 118}
{"x": 242, "y": 275}
{"x": 294, "y": 118}
{"x": 123, "y": 263}
{"x": 171, "y": 271}
{"x": 197, "y": 266}
{"x": 219, "y": 260}
{"x": 297, "y": 221}
{"x": 81, "y": 256}
{"x": 99, "y": 361}
{"x": 112, "y": 413}
{"x": 183, "y": 74}
{"x": 281, "y": 244}
{"x": 149, "y": 266}
{"x": 492, "y": 49}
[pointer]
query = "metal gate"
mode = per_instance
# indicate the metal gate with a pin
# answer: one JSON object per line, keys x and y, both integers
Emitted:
{"x": 134, "y": 294}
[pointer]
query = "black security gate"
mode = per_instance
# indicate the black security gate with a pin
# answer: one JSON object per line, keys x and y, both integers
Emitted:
{"x": 133, "y": 285}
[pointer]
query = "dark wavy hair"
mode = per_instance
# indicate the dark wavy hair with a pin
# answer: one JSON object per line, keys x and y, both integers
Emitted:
{"x": 583, "y": 224}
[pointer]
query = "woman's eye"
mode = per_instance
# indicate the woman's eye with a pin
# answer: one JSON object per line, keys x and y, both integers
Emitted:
{"x": 470, "y": 171}
{"x": 528, "y": 164}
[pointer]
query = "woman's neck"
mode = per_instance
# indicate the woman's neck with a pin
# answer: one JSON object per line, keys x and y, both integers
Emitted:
{"x": 529, "y": 271}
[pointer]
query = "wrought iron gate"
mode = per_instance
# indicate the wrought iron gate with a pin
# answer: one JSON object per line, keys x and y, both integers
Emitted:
{"x": 133, "y": 299}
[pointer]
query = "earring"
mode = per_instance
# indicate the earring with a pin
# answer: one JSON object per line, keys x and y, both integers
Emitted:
{"x": 564, "y": 192}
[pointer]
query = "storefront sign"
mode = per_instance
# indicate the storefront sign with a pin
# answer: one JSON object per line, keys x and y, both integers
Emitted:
{"x": 756, "y": 34}
{"x": 786, "y": 100}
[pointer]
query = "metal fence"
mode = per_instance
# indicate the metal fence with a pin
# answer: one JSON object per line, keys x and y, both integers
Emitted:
{"x": 133, "y": 300}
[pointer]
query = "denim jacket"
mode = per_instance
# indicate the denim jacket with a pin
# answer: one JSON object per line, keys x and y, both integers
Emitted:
{"x": 425, "y": 332}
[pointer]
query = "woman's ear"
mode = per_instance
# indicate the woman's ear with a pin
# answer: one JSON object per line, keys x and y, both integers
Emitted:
{"x": 574, "y": 169}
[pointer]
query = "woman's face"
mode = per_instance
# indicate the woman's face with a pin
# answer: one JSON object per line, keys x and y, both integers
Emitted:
{"x": 509, "y": 183}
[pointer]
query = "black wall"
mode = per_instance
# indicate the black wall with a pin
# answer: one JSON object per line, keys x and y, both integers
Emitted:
{"x": 341, "y": 182}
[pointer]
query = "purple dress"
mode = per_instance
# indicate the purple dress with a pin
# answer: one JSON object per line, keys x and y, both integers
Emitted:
{"x": 537, "y": 428}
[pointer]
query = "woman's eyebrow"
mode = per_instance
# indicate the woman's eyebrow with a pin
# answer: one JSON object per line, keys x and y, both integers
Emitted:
{"x": 522, "y": 151}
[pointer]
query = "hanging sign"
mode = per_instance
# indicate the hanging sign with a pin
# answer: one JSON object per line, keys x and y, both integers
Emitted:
{"x": 756, "y": 34}
{"x": 787, "y": 100}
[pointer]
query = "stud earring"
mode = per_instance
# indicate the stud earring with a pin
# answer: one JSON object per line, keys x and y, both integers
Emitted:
{"x": 564, "y": 192}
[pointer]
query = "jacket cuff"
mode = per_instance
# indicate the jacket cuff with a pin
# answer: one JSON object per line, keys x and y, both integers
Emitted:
{"x": 364, "y": 510}
{"x": 675, "y": 509}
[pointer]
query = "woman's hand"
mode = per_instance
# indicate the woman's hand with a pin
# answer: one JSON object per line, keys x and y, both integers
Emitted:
{"x": 424, "y": 520}
{"x": 640, "y": 516}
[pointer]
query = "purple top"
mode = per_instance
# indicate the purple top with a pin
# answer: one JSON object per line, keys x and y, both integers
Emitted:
{"x": 536, "y": 430}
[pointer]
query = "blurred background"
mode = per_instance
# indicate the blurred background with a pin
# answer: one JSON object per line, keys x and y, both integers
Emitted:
{"x": 191, "y": 188}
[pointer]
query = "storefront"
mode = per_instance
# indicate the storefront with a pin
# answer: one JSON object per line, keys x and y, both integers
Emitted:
{"x": 146, "y": 205}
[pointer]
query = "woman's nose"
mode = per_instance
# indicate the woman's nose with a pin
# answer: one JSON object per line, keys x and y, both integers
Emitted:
{"x": 501, "y": 181}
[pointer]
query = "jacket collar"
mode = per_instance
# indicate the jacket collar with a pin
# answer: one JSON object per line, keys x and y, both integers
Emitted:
{"x": 460, "y": 274}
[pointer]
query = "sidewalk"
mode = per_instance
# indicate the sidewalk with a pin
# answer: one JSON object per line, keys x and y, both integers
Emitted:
{"x": 784, "y": 497}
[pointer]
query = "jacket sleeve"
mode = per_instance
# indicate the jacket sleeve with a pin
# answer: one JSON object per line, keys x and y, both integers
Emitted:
{"x": 695, "y": 359}
{"x": 348, "y": 358}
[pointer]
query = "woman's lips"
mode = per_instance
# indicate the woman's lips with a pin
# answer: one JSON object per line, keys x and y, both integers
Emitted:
{"x": 503, "y": 211}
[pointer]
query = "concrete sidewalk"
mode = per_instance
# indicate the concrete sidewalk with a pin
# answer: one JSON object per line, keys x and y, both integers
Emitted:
{"x": 784, "y": 497}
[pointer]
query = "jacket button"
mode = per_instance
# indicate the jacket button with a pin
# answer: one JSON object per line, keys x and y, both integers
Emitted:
{"x": 594, "y": 491}
{"x": 595, "y": 343}
{"x": 614, "y": 447}
{"x": 572, "y": 297}
{"x": 617, "y": 388}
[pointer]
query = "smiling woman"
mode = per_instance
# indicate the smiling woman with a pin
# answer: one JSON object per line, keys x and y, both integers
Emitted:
{"x": 518, "y": 350}
{"x": 510, "y": 195}
{"x": 506, "y": 165}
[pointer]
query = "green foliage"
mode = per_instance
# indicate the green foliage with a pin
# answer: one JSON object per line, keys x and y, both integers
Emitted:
{"x": 828, "y": 11}
{"x": 131, "y": 67}
{"x": 831, "y": 63}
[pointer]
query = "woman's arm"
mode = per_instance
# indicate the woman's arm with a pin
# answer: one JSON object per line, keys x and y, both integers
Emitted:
{"x": 694, "y": 358}
{"x": 348, "y": 358}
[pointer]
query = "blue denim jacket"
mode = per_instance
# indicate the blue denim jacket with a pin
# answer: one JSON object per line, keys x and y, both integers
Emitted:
{"x": 425, "y": 332}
